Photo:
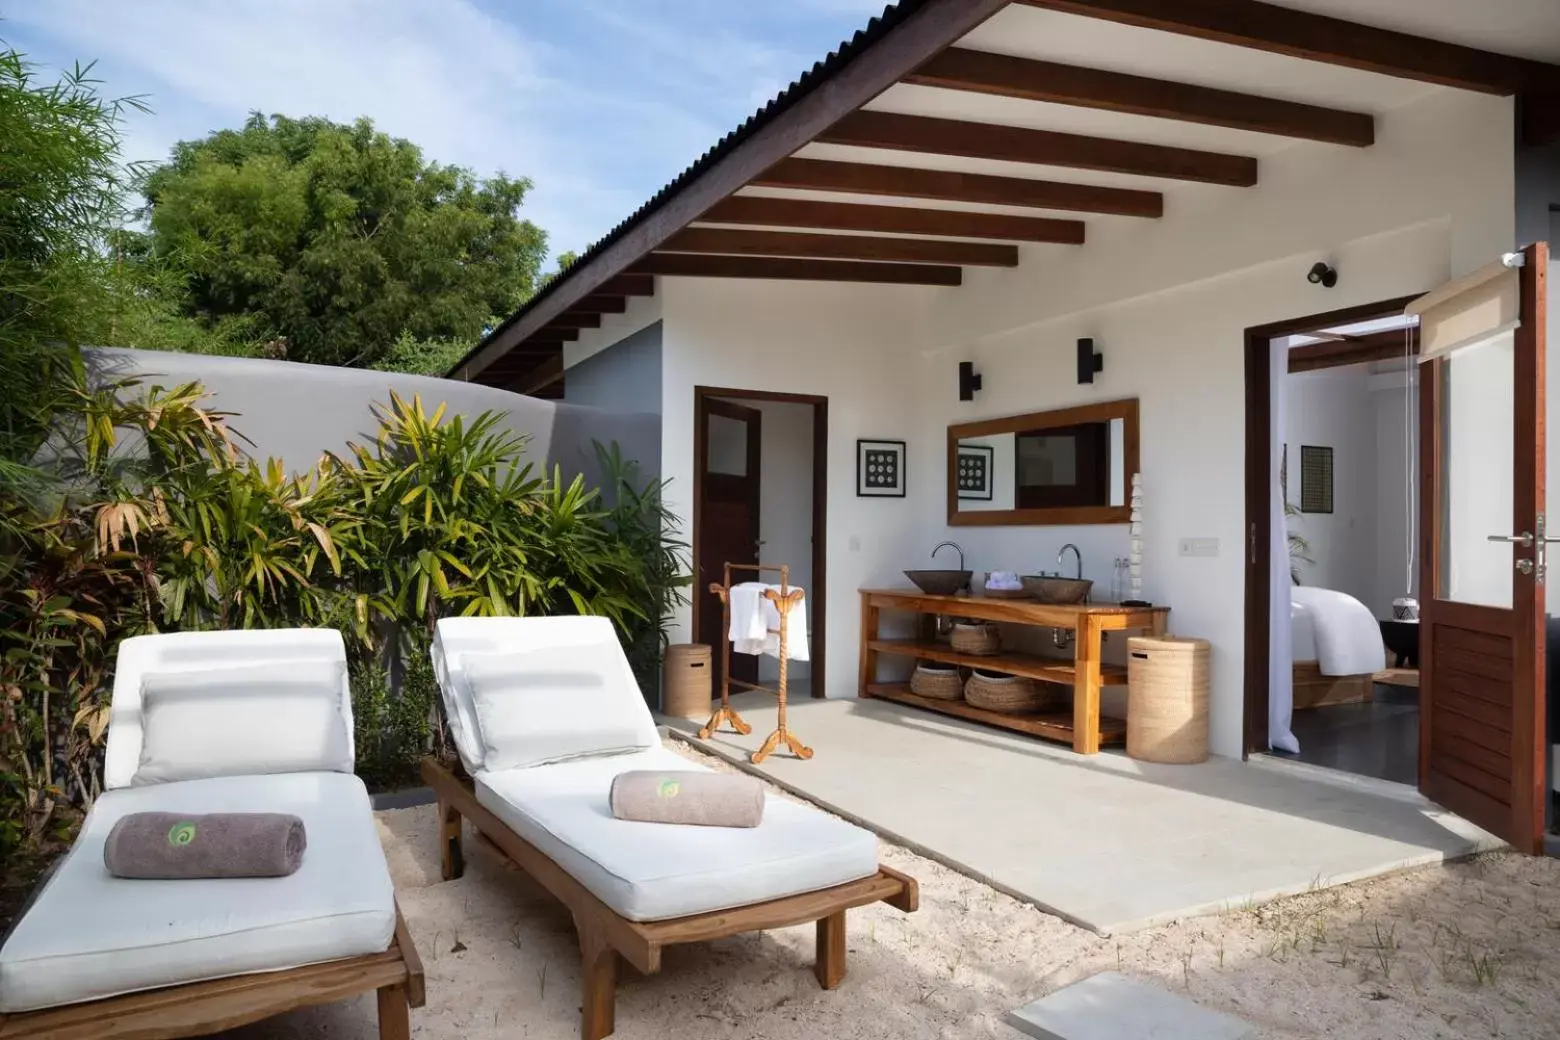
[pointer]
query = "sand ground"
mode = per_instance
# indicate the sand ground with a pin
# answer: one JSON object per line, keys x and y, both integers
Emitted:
{"x": 1469, "y": 949}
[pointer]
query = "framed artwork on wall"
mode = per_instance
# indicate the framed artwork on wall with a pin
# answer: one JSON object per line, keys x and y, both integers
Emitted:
{"x": 975, "y": 462}
{"x": 880, "y": 469}
{"x": 1316, "y": 479}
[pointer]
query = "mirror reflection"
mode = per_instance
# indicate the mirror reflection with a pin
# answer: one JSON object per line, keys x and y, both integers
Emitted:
{"x": 1080, "y": 464}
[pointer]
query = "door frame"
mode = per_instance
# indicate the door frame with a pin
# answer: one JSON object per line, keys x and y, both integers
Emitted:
{"x": 818, "y": 595}
{"x": 1259, "y": 482}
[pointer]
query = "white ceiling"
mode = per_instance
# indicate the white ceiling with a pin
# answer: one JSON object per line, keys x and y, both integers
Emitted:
{"x": 1526, "y": 28}
{"x": 1529, "y": 27}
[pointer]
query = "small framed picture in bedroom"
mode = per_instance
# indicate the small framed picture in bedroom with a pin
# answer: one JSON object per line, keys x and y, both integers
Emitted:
{"x": 1316, "y": 479}
{"x": 973, "y": 476}
{"x": 880, "y": 469}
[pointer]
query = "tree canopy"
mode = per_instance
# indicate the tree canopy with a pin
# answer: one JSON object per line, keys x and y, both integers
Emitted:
{"x": 335, "y": 242}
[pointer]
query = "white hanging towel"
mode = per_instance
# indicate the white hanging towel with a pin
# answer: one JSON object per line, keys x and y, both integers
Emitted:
{"x": 755, "y": 622}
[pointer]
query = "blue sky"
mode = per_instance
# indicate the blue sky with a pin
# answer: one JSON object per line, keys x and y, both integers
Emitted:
{"x": 599, "y": 102}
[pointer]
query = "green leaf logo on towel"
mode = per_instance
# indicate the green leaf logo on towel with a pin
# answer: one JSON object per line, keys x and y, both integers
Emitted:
{"x": 181, "y": 834}
{"x": 670, "y": 788}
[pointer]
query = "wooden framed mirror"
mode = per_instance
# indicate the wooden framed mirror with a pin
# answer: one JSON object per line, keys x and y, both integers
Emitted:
{"x": 1067, "y": 466}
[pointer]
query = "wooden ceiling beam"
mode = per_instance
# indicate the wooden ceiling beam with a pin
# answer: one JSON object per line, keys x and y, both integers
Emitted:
{"x": 543, "y": 376}
{"x": 959, "y": 68}
{"x": 1355, "y": 350}
{"x": 953, "y": 186}
{"x": 577, "y": 320}
{"x": 764, "y": 210}
{"x": 602, "y": 305}
{"x": 793, "y": 269}
{"x": 557, "y": 332}
{"x": 1317, "y": 37}
{"x": 729, "y": 241}
{"x": 934, "y": 136}
{"x": 625, "y": 285}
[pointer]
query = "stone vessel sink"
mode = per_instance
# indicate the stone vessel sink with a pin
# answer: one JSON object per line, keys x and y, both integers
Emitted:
{"x": 1048, "y": 589}
{"x": 939, "y": 583}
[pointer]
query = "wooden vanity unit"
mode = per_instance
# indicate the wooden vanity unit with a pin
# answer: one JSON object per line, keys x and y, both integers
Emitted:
{"x": 1083, "y": 727}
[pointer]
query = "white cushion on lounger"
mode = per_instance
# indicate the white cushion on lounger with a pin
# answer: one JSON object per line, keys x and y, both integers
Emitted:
{"x": 200, "y": 651}
{"x": 247, "y": 720}
{"x": 592, "y": 638}
{"x": 548, "y": 704}
{"x": 654, "y": 871}
{"x": 91, "y": 935}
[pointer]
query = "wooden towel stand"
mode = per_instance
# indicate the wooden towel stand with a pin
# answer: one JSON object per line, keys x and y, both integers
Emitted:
{"x": 783, "y": 600}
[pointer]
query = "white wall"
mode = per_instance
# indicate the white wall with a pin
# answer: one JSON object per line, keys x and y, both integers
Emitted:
{"x": 853, "y": 344}
{"x": 1332, "y": 408}
{"x": 1167, "y": 302}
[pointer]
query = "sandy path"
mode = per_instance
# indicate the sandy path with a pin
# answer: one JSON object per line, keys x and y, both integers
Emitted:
{"x": 1466, "y": 950}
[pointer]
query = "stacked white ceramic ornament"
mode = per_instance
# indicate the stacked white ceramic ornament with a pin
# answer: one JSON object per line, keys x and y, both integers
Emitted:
{"x": 1136, "y": 531}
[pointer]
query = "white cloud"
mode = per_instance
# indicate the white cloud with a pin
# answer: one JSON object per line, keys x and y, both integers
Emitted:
{"x": 598, "y": 121}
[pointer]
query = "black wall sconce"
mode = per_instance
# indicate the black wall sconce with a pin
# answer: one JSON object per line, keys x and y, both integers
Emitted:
{"x": 1090, "y": 361}
{"x": 1323, "y": 275}
{"x": 969, "y": 382}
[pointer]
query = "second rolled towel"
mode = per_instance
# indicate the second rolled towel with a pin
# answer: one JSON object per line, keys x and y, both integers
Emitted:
{"x": 158, "y": 845}
{"x": 694, "y": 797}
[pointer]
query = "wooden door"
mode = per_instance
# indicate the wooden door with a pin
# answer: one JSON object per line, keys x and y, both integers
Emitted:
{"x": 732, "y": 439}
{"x": 1483, "y": 553}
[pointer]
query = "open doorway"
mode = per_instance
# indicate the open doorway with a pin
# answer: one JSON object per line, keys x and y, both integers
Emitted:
{"x": 1479, "y": 548}
{"x": 760, "y": 496}
{"x": 1333, "y": 505}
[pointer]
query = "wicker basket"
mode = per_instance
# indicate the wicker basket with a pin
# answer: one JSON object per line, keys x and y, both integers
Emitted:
{"x": 937, "y": 683}
{"x": 975, "y": 638}
{"x": 987, "y": 593}
{"x": 996, "y": 692}
{"x": 1167, "y": 703}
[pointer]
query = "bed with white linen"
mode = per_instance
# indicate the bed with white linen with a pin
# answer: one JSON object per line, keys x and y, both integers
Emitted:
{"x": 544, "y": 712}
{"x": 256, "y": 721}
{"x": 1336, "y": 646}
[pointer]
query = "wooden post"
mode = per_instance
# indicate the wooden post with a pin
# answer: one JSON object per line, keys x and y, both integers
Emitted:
{"x": 830, "y": 965}
{"x": 724, "y": 713}
{"x": 395, "y": 1020}
{"x": 452, "y": 856}
{"x": 869, "y": 632}
{"x": 783, "y": 600}
{"x": 598, "y": 972}
{"x": 1086, "y": 687}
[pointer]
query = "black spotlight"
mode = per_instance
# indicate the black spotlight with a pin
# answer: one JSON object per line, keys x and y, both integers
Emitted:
{"x": 1323, "y": 275}
{"x": 969, "y": 382}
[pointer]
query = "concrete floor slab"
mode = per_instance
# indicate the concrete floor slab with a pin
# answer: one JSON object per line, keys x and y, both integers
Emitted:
{"x": 1110, "y": 1006}
{"x": 1106, "y": 842}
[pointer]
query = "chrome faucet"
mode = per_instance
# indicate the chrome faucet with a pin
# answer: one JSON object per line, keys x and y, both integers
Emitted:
{"x": 950, "y": 545}
{"x": 1076, "y": 555}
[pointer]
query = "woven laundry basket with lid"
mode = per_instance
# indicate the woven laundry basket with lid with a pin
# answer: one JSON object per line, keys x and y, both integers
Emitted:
{"x": 1167, "y": 699}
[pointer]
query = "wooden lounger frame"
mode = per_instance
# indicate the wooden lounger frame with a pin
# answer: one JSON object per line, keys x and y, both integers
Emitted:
{"x": 604, "y": 935}
{"x": 199, "y": 1008}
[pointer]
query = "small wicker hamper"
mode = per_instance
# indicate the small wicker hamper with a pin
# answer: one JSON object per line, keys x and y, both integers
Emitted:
{"x": 688, "y": 684}
{"x": 1167, "y": 699}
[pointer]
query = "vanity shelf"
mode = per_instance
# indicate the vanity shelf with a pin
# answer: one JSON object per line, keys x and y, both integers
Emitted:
{"x": 1084, "y": 728}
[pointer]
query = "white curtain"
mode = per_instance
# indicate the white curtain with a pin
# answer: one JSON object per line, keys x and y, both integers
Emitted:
{"x": 1281, "y": 687}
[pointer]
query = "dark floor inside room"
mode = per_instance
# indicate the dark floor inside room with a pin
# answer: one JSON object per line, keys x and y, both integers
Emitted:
{"x": 1377, "y": 738}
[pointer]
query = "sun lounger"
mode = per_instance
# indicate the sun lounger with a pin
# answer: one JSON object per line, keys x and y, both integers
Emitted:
{"x": 101, "y": 957}
{"x": 633, "y": 888}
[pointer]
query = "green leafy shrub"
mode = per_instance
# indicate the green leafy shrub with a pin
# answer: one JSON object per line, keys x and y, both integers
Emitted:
{"x": 393, "y": 728}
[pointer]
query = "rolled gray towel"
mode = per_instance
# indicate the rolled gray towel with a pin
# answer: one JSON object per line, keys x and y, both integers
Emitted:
{"x": 160, "y": 845}
{"x": 700, "y": 798}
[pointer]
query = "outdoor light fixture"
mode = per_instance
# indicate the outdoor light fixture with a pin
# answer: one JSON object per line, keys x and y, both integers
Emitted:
{"x": 1323, "y": 275}
{"x": 969, "y": 382}
{"x": 1090, "y": 361}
